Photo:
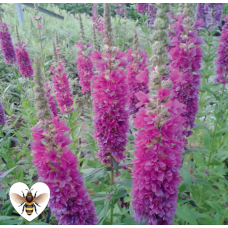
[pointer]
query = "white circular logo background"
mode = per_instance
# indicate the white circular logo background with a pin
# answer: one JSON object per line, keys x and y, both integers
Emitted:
{"x": 38, "y": 187}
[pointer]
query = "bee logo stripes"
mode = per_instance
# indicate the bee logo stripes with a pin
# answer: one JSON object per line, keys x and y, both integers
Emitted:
{"x": 34, "y": 200}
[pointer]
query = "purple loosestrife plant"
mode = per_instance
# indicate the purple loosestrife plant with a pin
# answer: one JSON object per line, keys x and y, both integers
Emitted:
{"x": 142, "y": 7}
{"x": 200, "y": 13}
{"x": 110, "y": 97}
{"x": 61, "y": 83}
{"x": 222, "y": 60}
{"x": 98, "y": 23}
{"x": 185, "y": 65}
{"x": 23, "y": 60}
{"x": 6, "y": 43}
{"x": 159, "y": 140}
{"x": 85, "y": 65}
{"x": 137, "y": 74}
{"x": 2, "y": 115}
{"x": 84, "y": 62}
{"x": 42, "y": 105}
{"x": 152, "y": 11}
{"x": 51, "y": 100}
{"x": 56, "y": 165}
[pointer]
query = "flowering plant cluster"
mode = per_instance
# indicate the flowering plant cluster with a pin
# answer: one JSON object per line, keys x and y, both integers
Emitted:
{"x": 98, "y": 23}
{"x": 210, "y": 13}
{"x": 57, "y": 167}
{"x": 51, "y": 100}
{"x": 185, "y": 65}
{"x": 23, "y": 60}
{"x": 61, "y": 87}
{"x": 7, "y": 44}
{"x": 85, "y": 65}
{"x": 222, "y": 67}
{"x": 137, "y": 75}
{"x": 110, "y": 96}
{"x": 159, "y": 140}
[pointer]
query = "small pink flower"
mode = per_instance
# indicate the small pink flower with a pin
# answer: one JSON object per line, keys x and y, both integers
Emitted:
{"x": 207, "y": 172}
{"x": 163, "y": 93}
{"x": 39, "y": 26}
{"x": 108, "y": 196}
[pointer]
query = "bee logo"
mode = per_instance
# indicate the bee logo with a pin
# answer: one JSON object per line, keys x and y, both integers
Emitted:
{"x": 29, "y": 202}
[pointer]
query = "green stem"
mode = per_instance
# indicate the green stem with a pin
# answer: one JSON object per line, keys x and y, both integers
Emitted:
{"x": 216, "y": 123}
{"x": 112, "y": 201}
{"x": 69, "y": 119}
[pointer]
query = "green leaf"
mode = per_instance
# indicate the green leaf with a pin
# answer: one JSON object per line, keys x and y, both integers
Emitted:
{"x": 2, "y": 194}
{"x": 223, "y": 129}
{"x": 125, "y": 182}
{"x": 94, "y": 174}
{"x": 5, "y": 218}
{"x": 10, "y": 222}
{"x": 186, "y": 176}
{"x": 186, "y": 214}
{"x": 25, "y": 104}
{"x": 99, "y": 199}
{"x": 90, "y": 140}
{"x": 216, "y": 219}
{"x": 211, "y": 92}
{"x": 214, "y": 205}
{"x": 7, "y": 172}
{"x": 115, "y": 164}
{"x": 120, "y": 192}
{"x": 207, "y": 140}
{"x": 201, "y": 182}
{"x": 203, "y": 151}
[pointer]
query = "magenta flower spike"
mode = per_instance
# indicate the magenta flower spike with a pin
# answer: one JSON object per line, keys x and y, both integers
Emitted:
{"x": 142, "y": 7}
{"x": 159, "y": 141}
{"x": 57, "y": 166}
{"x": 23, "y": 60}
{"x": 61, "y": 87}
{"x": 85, "y": 65}
{"x": 186, "y": 61}
{"x": 51, "y": 100}
{"x": 2, "y": 115}
{"x": 137, "y": 75}
{"x": 6, "y": 43}
{"x": 110, "y": 98}
{"x": 98, "y": 23}
{"x": 222, "y": 60}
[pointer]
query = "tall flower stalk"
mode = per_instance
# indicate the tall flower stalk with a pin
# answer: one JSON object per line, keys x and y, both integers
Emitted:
{"x": 185, "y": 65}
{"x": 57, "y": 164}
{"x": 61, "y": 84}
{"x": 159, "y": 140}
{"x": 6, "y": 43}
{"x": 98, "y": 23}
{"x": 42, "y": 105}
{"x": 222, "y": 60}
{"x": 84, "y": 62}
{"x": 110, "y": 97}
{"x": 137, "y": 75}
{"x": 210, "y": 13}
{"x": 23, "y": 60}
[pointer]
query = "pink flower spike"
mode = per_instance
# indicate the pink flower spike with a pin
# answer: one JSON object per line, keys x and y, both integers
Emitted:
{"x": 163, "y": 93}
